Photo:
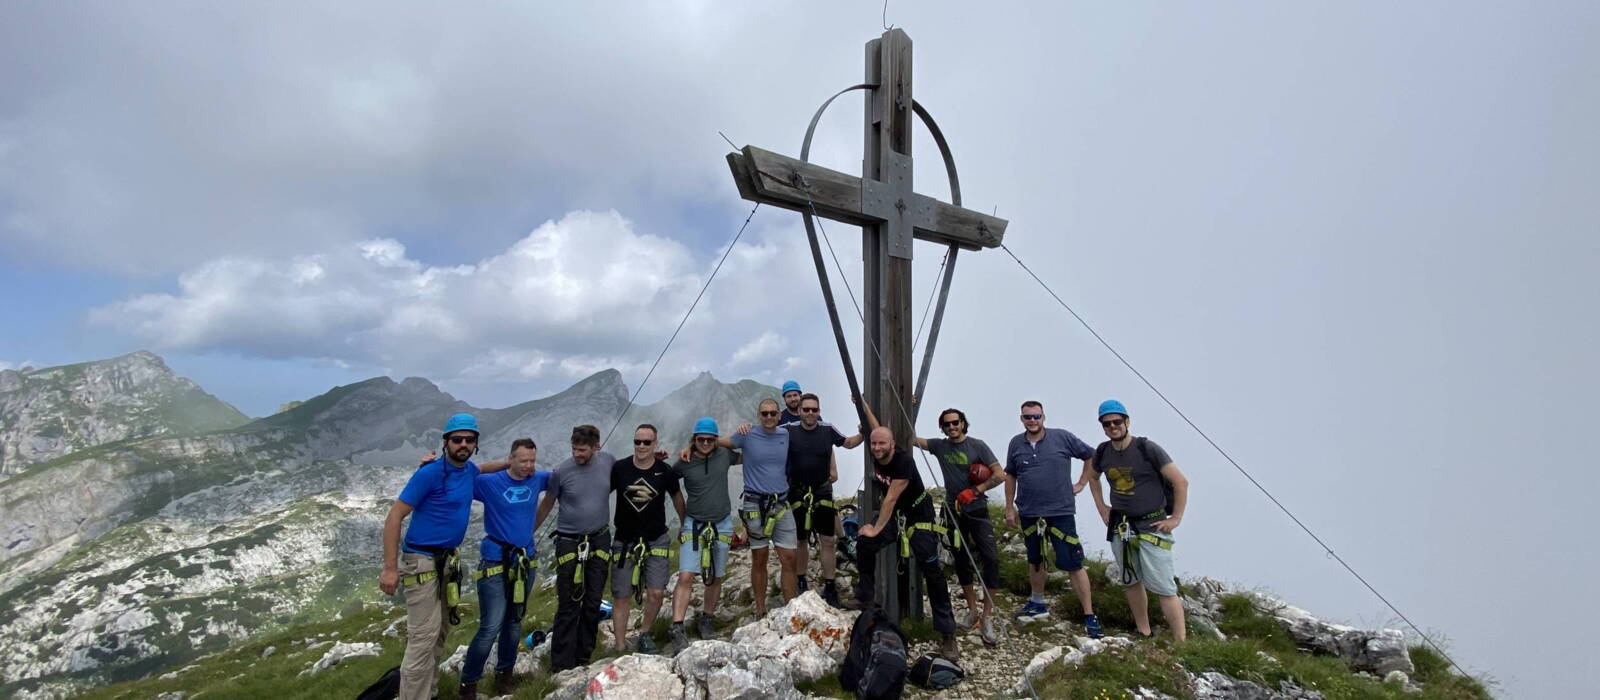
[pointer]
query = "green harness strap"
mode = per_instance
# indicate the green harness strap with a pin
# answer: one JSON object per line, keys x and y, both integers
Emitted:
{"x": 811, "y": 503}
{"x": 515, "y": 575}
{"x": 577, "y": 574}
{"x": 1043, "y": 526}
{"x": 638, "y": 553}
{"x": 771, "y": 517}
{"x": 907, "y": 530}
{"x": 449, "y": 582}
{"x": 705, "y": 538}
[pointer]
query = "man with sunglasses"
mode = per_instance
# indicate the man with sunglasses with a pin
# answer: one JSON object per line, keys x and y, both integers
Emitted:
{"x": 581, "y": 486}
{"x": 1148, "y": 497}
{"x": 764, "y": 508}
{"x": 438, "y": 499}
{"x": 707, "y": 532}
{"x": 961, "y": 458}
{"x": 640, "y": 550}
{"x": 812, "y": 471}
{"x": 1039, "y": 499}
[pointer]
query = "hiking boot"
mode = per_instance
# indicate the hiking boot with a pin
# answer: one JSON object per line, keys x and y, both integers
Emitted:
{"x": 830, "y": 593}
{"x": 646, "y": 645}
{"x": 708, "y": 627}
{"x": 680, "y": 641}
{"x": 504, "y": 682}
{"x": 949, "y": 648}
{"x": 986, "y": 632}
{"x": 1091, "y": 624}
{"x": 1032, "y": 611}
{"x": 800, "y": 585}
{"x": 968, "y": 620}
{"x": 467, "y": 691}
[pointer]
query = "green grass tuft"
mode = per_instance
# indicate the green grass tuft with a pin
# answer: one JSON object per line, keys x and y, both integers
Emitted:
{"x": 1110, "y": 674}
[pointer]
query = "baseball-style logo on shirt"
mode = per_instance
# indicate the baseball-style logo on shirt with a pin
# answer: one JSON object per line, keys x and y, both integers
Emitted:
{"x": 640, "y": 493}
{"x": 517, "y": 494}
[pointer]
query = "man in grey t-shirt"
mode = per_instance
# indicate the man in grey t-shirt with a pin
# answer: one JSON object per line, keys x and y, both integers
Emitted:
{"x": 1142, "y": 515}
{"x": 707, "y": 533}
{"x": 581, "y": 486}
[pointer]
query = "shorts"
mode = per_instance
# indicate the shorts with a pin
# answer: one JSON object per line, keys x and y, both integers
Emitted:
{"x": 1153, "y": 567}
{"x": 822, "y": 517}
{"x": 652, "y": 575}
{"x": 1063, "y": 533}
{"x": 783, "y": 532}
{"x": 689, "y": 554}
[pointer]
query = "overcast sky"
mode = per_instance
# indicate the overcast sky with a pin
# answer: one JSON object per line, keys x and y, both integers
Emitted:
{"x": 1354, "y": 241}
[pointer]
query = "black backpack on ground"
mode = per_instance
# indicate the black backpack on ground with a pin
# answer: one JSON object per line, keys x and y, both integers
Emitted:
{"x": 387, "y": 687}
{"x": 935, "y": 672}
{"x": 875, "y": 663}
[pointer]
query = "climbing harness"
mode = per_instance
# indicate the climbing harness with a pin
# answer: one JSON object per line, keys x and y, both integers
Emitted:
{"x": 638, "y": 552}
{"x": 1046, "y": 531}
{"x": 515, "y": 565}
{"x": 810, "y": 503}
{"x": 1122, "y": 526}
{"x": 704, "y": 540}
{"x": 581, "y": 556}
{"x": 447, "y": 571}
{"x": 906, "y": 531}
{"x": 769, "y": 508}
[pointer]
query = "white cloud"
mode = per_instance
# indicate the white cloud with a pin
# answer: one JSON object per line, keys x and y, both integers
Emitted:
{"x": 765, "y": 346}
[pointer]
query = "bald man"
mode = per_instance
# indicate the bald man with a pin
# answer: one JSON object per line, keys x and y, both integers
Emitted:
{"x": 906, "y": 514}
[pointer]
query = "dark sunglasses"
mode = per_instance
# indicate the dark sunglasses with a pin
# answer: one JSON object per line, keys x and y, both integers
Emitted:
{"x": 1113, "y": 423}
{"x": 768, "y": 414}
{"x": 1032, "y": 416}
{"x": 641, "y": 443}
{"x": 705, "y": 439}
{"x": 804, "y": 409}
{"x": 462, "y": 439}
{"x": 949, "y": 423}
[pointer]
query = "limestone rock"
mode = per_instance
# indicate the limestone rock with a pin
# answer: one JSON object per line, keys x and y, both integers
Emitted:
{"x": 452, "y": 664}
{"x": 339, "y": 652}
{"x": 1375, "y": 651}
{"x": 1044, "y": 660}
{"x": 1216, "y": 686}
{"x": 808, "y": 634}
{"x": 632, "y": 677}
{"x": 713, "y": 669}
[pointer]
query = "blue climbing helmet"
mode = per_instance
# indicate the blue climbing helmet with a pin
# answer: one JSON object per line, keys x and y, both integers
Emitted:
{"x": 789, "y": 386}
{"x": 706, "y": 426}
{"x": 1113, "y": 406}
{"x": 461, "y": 421}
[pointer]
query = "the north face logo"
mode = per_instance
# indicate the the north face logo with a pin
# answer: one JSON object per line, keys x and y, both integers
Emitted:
{"x": 517, "y": 494}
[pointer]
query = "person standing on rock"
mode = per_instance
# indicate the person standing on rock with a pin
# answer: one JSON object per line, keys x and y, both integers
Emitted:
{"x": 706, "y": 533}
{"x": 791, "y": 403}
{"x": 438, "y": 499}
{"x": 764, "y": 508}
{"x": 905, "y": 520}
{"x": 1148, "y": 497}
{"x": 1039, "y": 499}
{"x": 506, "y": 565}
{"x": 641, "y": 547}
{"x": 812, "y": 471}
{"x": 580, "y": 486}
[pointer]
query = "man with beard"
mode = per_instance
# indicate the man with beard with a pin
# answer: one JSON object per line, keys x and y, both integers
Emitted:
{"x": 639, "y": 552}
{"x": 791, "y": 403}
{"x": 438, "y": 499}
{"x": 812, "y": 471}
{"x": 905, "y": 520}
{"x": 580, "y": 486}
{"x": 1148, "y": 497}
{"x": 506, "y": 565}
{"x": 707, "y": 532}
{"x": 1039, "y": 499}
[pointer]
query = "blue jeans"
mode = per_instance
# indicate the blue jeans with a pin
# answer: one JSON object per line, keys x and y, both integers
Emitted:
{"x": 494, "y": 624}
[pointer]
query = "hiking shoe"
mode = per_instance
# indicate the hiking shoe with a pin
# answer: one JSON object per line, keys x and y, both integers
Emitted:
{"x": 950, "y": 648}
{"x": 680, "y": 641}
{"x": 646, "y": 645}
{"x": 986, "y": 632}
{"x": 467, "y": 691}
{"x": 830, "y": 593}
{"x": 968, "y": 620}
{"x": 708, "y": 627}
{"x": 1092, "y": 625}
{"x": 1032, "y": 611}
{"x": 504, "y": 682}
{"x": 800, "y": 584}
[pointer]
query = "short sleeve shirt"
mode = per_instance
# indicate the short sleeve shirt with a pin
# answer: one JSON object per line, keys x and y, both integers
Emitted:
{"x": 1137, "y": 487}
{"x": 1043, "y": 471}
{"x": 642, "y": 498}
{"x": 705, "y": 484}
{"x": 766, "y": 459}
{"x": 954, "y": 460}
{"x": 811, "y": 453}
{"x": 911, "y": 503}
{"x": 440, "y": 496}
{"x": 509, "y": 509}
{"x": 580, "y": 491}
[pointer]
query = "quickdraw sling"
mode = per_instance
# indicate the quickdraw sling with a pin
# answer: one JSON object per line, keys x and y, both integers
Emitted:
{"x": 515, "y": 565}
{"x": 1043, "y": 527}
{"x": 769, "y": 508}
{"x": 581, "y": 554}
{"x": 637, "y": 553}
{"x": 705, "y": 538}
{"x": 1122, "y": 525}
{"x": 810, "y": 503}
{"x": 447, "y": 571}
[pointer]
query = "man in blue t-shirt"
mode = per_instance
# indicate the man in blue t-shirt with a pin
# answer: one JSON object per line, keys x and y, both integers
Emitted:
{"x": 438, "y": 499}
{"x": 764, "y": 508}
{"x": 506, "y": 565}
{"x": 1039, "y": 499}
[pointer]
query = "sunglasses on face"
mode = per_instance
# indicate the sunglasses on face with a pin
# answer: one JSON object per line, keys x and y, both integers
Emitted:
{"x": 768, "y": 414}
{"x": 707, "y": 440}
{"x": 463, "y": 439}
{"x": 809, "y": 409}
{"x": 1032, "y": 416}
{"x": 949, "y": 423}
{"x": 642, "y": 443}
{"x": 1113, "y": 423}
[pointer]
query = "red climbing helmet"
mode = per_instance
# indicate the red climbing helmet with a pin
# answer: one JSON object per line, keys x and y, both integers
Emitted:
{"x": 979, "y": 473}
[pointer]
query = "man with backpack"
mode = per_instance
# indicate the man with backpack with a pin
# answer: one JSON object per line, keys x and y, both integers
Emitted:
{"x": 640, "y": 550}
{"x": 506, "y": 565}
{"x": 581, "y": 486}
{"x": 705, "y": 535}
{"x": 438, "y": 499}
{"x": 905, "y": 520}
{"x": 1148, "y": 497}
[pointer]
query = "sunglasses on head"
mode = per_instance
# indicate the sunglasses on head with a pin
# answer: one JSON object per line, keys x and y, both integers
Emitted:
{"x": 1032, "y": 416}
{"x": 768, "y": 414}
{"x": 1113, "y": 423}
{"x": 462, "y": 439}
{"x": 640, "y": 443}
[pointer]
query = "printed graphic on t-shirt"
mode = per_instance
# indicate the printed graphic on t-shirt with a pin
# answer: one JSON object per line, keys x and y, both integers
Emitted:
{"x": 639, "y": 494}
{"x": 1121, "y": 480}
{"x": 517, "y": 494}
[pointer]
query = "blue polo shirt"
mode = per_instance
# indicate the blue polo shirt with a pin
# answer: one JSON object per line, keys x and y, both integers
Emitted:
{"x": 440, "y": 496}
{"x": 509, "y": 507}
{"x": 766, "y": 459}
{"x": 1043, "y": 471}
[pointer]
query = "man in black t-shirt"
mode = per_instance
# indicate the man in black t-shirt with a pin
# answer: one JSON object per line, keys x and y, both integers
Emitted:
{"x": 812, "y": 471}
{"x": 905, "y": 520}
{"x": 640, "y": 549}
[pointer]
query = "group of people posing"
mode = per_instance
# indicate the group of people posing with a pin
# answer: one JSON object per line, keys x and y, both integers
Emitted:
{"x": 611, "y": 524}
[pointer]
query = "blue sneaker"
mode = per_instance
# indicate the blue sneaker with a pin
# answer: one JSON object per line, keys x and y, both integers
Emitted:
{"x": 1032, "y": 611}
{"x": 1092, "y": 624}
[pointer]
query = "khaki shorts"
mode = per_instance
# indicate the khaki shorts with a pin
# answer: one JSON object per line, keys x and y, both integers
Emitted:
{"x": 1153, "y": 567}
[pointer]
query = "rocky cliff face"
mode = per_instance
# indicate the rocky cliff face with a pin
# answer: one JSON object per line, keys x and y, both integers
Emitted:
{"x": 47, "y": 413}
{"x": 123, "y": 556}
